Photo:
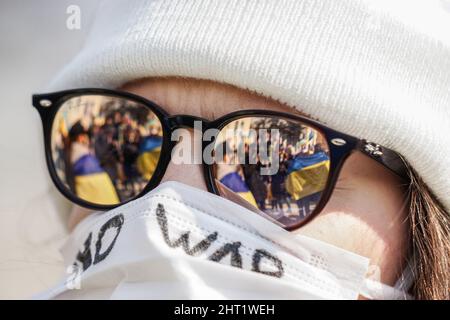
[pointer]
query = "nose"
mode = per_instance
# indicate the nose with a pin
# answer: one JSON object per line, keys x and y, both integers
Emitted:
{"x": 187, "y": 171}
{"x": 190, "y": 174}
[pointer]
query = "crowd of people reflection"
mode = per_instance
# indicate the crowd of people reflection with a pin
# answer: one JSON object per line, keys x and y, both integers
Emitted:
{"x": 292, "y": 193}
{"x": 106, "y": 151}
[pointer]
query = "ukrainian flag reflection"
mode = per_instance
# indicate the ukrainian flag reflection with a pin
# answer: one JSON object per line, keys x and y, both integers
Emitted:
{"x": 92, "y": 183}
{"x": 236, "y": 183}
{"x": 307, "y": 175}
{"x": 149, "y": 152}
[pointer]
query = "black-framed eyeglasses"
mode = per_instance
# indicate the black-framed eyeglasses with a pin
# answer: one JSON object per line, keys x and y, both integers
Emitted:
{"x": 107, "y": 147}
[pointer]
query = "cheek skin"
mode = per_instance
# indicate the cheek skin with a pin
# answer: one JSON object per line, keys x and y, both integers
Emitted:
{"x": 76, "y": 215}
{"x": 365, "y": 215}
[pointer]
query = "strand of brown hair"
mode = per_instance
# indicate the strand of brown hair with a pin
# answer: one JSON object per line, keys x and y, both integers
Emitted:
{"x": 430, "y": 239}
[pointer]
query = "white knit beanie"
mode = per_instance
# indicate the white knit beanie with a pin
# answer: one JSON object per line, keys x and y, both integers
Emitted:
{"x": 378, "y": 70}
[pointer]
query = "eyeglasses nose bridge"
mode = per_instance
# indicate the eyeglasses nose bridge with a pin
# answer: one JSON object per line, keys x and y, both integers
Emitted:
{"x": 185, "y": 121}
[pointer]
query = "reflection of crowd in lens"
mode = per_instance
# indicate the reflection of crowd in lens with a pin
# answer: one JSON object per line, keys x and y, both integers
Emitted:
{"x": 109, "y": 155}
{"x": 290, "y": 194}
{"x": 107, "y": 152}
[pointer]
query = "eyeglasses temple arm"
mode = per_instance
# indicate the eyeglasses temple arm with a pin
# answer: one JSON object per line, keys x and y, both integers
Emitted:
{"x": 387, "y": 157}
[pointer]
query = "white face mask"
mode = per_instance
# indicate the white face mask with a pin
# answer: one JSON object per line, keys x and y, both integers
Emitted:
{"x": 178, "y": 242}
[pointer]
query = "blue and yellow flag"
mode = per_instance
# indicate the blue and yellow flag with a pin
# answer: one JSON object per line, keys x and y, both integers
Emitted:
{"x": 92, "y": 183}
{"x": 149, "y": 152}
{"x": 236, "y": 183}
{"x": 307, "y": 174}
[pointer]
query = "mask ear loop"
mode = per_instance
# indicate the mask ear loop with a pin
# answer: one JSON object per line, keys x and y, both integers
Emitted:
{"x": 375, "y": 290}
{"x": 406, "y": 280}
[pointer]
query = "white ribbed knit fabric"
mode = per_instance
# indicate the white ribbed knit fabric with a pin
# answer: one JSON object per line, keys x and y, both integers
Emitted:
{"x": 377, "y": 69}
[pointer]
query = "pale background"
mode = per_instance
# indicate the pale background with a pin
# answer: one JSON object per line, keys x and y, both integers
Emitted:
{"x": 34, "y": 44}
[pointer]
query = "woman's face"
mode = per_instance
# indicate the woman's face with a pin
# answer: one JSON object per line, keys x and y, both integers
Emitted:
{"x": 364, "y": 214}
